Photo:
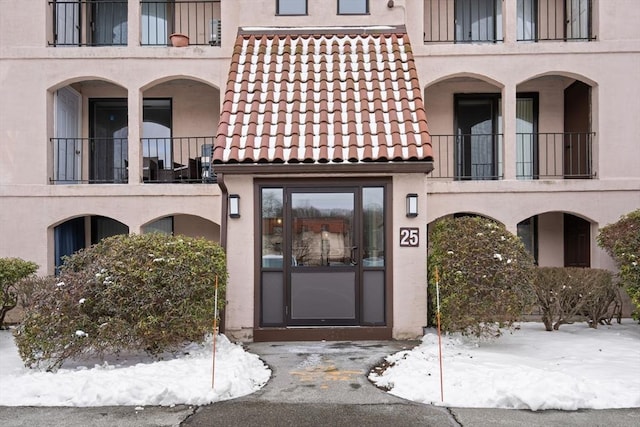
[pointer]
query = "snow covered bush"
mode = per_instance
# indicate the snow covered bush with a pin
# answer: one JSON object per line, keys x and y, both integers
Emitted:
{"x": 485, "y": 275}
{"x": 568, "y": 293}
{"x": 150, "y": 292}
{"x": 621, "y": 240}
{"x": 12, "y": 270}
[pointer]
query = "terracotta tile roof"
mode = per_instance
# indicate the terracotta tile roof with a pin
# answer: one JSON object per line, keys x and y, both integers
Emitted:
{"x": 322, "y": 97}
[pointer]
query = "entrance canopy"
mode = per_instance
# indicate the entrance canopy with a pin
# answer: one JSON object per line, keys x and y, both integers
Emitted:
{"x": 309, "y": 96}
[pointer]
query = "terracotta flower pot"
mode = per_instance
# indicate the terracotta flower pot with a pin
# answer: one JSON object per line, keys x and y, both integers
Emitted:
{"x": 179, "y": 40}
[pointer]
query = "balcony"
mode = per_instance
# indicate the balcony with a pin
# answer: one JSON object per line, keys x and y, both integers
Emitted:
{"x": 462, "y": 21}
{"x": 104, "y": 22}
{"x": 562, "y": 155}
{"x": 177, "y": 160}
{"x": 565, "y": 155}
{"x": 105, "y": 160}
{"x": 198, "y": 20}
{"x": 481, "y": 21}
{"x": 554, "y": 20}
{"x": 467, "y": 156}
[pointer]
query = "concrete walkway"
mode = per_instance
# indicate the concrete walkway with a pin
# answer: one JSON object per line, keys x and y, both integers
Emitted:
{"x": 325, "y": 384}
{"x": 314, "y": 384}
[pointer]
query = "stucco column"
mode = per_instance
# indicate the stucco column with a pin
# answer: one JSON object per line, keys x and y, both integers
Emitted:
{"x": 135, "y": 125}
{"x": 133, "y": 23}
{"x": 509, "y": 21}
{"x": 509, "y": 131}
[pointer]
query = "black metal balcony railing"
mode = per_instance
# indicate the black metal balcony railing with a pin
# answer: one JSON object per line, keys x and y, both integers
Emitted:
{"x": 462, "y": 21}
{"x": 89, "y": 23}
{"x": 178, "y": 159}
{"x": 198, "y": 20}
{"x": 554, "y": 155}
{"x": 480, "y": 21}
{"x": 105, "y": 160}
{"x": 559, "y": 20}
{"x": 89, "y": 160}
{"x": 467, "y": 156}
{"x": 104, "y": 22}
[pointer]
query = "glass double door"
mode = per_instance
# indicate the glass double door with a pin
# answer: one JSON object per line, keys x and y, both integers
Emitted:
{"x": 325, "y": 257}
{"x": 333, "y": 251}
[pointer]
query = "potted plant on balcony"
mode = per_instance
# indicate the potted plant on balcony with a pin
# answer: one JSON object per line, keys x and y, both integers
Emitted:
{"x": 179, "y": 40}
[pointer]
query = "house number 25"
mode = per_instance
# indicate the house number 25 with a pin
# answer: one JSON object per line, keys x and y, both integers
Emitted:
{"x": 409, "y": 236}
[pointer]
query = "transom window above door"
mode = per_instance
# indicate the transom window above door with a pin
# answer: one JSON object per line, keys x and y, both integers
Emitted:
{"x": 353, "y": 7}
{"x": 291, "y": 7}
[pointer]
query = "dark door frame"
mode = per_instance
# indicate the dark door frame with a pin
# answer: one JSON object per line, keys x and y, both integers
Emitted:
{"x": 463, "y": 166}
{"x": 360, "y": 331}
{"x": 577, "y": 241}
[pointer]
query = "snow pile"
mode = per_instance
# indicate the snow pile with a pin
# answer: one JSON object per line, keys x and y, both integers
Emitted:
{"x": 572, "y": 368}
{"x": 133, "y": 380}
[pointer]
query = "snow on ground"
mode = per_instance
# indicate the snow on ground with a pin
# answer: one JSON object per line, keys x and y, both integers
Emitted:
{"x": 133, "y": 380}
{"x": 572, "y": 368}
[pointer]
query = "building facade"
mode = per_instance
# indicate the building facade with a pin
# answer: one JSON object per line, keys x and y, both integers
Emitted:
{"x": 106, "y": 127}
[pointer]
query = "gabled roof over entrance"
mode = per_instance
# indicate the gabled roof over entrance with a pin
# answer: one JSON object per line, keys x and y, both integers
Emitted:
{"x": 322, "y": 96}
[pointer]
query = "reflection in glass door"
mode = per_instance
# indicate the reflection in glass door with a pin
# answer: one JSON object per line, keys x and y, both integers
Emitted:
{"x": 323, "y": 256}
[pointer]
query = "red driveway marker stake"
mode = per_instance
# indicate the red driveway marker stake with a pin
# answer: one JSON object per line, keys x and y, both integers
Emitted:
{"x": 215, "y": 329}
{"x": 439, "y": 335}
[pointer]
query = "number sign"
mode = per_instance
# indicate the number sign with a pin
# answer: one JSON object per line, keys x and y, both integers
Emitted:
{"x": 410, "y": 237}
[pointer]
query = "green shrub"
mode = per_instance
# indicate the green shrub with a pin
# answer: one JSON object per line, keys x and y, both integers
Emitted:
{"x": 485, "y": 275}
{"x": 12, "y": 270}
{"x": 621, "y": 240}
{"x": 567, "y": 293}
{"x": 150, "y": 292}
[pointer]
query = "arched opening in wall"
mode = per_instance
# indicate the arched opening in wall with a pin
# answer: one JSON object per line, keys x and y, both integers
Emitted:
{"x": 558, "y": 239}
{"x": 458, "y": 215}
{"x": 180, "y": 120}
{"x": 185, "y": 225}
{"x": 465, "y": 123}
{"x": 554, "y": 128}
{"x": 89, "y": 133}
{"x": 78, "y": 233}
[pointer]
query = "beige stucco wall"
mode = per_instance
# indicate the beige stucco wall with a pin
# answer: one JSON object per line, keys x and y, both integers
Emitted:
{"x": 409, "y": 263}
{"x": 241, "y": 235}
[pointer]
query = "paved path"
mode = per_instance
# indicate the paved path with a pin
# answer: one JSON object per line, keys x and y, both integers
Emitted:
{"x": 315, "y": 384}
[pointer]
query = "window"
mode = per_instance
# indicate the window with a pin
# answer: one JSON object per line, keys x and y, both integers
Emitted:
{"x": 353, "y": 7}
{"x": 108, "y": 140}
{"x": 478, "y": 20}
{"x": 528, "y": 233}
{"x": 108, "y": 145}
{"x": 156, "y": 138}
{"x": 162, "y": 225}
{"x": 527, "y": 16}
{"x": 478, "y": 141}
{"x": 291, "y": 7}
{"x": 527, "y": 136}
{"x": 554, "y": 20}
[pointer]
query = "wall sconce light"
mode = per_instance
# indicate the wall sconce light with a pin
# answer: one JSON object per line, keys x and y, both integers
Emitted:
{"x": 234, "y": 206}
{"x": 412, "y": 205}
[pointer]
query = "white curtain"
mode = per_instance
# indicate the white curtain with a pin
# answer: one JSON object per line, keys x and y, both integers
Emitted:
{"x": 154, "y": 23}
{"x": 578, "y": 19}
{"x": 526, "y": 20}
{"x": 525, "y": 138}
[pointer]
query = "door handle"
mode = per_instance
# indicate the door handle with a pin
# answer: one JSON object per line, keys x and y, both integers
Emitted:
{"x": 354, "y": 255}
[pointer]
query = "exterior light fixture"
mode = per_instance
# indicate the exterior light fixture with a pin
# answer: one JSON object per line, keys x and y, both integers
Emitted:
{"x": 234, "y": 206}
{"x": 412, "y": 205}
